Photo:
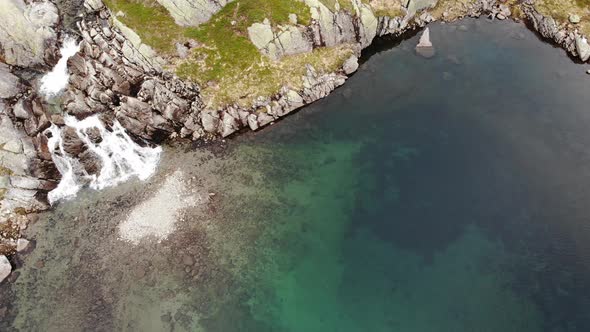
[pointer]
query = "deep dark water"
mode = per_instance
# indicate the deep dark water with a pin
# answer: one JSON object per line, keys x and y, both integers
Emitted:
{"x": 444, "y": 194}
{"x": 474, "y": 164}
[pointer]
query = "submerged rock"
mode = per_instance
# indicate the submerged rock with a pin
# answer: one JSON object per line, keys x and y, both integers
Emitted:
{"x": 424, "y": 47}
{"x": 5, "y": 268}
{"x": 22, "y": 245}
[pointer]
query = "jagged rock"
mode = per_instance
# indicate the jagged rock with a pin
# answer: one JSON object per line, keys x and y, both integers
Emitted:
{"x": 136, "y": 51}
{"x": 368, "y": 24}
{"x": 26, "y": 30}
{"x": 9, "y": 84}
{"x": 193, "y": 12}
{"x": 424, "y": 47}
{"x": 350, "y": 65}
{"x": 388, "y": 25}
{"x": 582, "y": 48}
{"x": 22, "y": 109}
{"x": 331, "y": 28}
{"x": 22, "y": 245}
{"x": 16, "y": 148}
{"x": 287, "y": 40}
{"x": 5, "y": 268}
{"x": 210, "y": 121}
{"x": 230, "y": 122}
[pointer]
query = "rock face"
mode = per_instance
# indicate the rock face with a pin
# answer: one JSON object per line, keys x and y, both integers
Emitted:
{"x": 334, "y": 28}
{"x": 328, "y": 29}
{"x": 26, "y": 30}
{"x": 193, "y": 12}
{"x": 5, "y": 268}
{"x": 9, "y": 84}
{"x": 287, "y": 40}
{"x": 135, "y": 49}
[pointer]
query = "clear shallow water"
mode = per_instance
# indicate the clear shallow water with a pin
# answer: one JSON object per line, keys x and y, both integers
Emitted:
{"x": 444, "y": 194}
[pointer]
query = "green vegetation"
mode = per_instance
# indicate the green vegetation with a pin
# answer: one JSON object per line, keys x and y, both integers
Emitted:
{"x": 391, "y": 8}
{"x": 226, "y": 64}
{"x": 562, "y": 9}
{"x": 5, "y": 171}
{"x": 150, "y": 21}
{"x": 454, "y": 9}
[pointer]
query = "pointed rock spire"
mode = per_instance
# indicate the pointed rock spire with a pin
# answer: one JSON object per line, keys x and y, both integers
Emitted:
{"x": 424, "y": 47}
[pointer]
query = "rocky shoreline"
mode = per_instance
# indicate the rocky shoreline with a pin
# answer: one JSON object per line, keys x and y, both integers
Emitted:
{"x": 119, "y": 78}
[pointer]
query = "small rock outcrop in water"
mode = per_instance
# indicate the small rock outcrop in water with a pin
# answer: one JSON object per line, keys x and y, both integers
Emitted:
{"x": 5, "y": 268}
{"x": 424, "y": 47}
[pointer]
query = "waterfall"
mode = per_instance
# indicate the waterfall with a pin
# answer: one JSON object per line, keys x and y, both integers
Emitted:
{"x": 57, "y": 79}
{"x": 120, "y": 157}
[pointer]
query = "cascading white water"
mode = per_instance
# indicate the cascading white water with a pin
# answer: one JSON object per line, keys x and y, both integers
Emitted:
{"x": 57, "y": 79}
{"x": 121, "y": 158}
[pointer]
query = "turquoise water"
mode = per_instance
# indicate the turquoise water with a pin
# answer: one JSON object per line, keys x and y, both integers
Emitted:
{"x": 434, "y": 195}
{"x": 443, "y": 194}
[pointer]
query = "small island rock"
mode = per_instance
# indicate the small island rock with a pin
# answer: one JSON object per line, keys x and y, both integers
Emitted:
{"x": 424, "y": 47}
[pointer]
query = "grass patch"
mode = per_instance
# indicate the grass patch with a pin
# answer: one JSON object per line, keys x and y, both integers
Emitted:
{"x": 454, "y": 8}
{"x": 5, "y": 171}
{"x": 560, "y": 10}
{"x": 390, "y": 8}
{"x": 150, "y": 21}
{"x": 227, "y": 65}
{"x": 266, "y": 77}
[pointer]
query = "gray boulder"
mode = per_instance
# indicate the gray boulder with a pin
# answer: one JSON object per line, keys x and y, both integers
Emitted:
{"x": 287, "y": 40}
{"x": 350, "y": 65}
{"x": 5, "y": 268}
{"x": 25, "y": 31}
{"x": 9, "y": 84}
{"x": 193, "y": 12}
{"x": 582, "y": 48}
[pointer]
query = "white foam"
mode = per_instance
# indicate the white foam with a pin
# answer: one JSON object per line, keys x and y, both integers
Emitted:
{"x": 120, "y": 157}
{"x": 57, "y": 79}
